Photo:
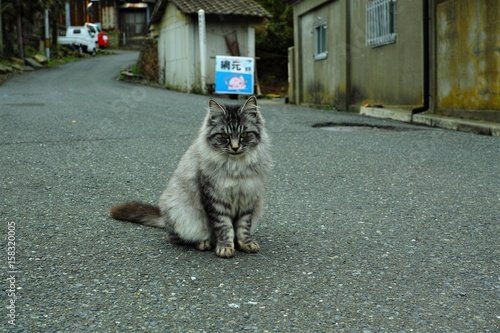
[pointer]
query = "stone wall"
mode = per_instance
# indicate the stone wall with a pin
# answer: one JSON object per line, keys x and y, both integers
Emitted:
{"x": 147, "y": 64}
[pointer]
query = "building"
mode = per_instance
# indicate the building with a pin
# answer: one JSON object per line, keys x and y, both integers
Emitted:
{"x": 128, "y": 18}
{"x": 439, "y": 56}
{"x": 228, "y": 28}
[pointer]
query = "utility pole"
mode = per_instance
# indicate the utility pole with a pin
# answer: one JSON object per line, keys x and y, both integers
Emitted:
{"x": 87, "y": 7}
{"x": 47, "y": 35}
{"x": 203, "y": 50}
{"x": 68, "y": 13}
{"x": 1, "y": 32}
{"x": 19, "y": 25}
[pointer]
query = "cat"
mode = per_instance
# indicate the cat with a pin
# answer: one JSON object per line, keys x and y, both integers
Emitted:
{"x": 215, "y": 196}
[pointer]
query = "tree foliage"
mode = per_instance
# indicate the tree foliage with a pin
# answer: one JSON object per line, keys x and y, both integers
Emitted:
{"x": 22, "y": 23}
{"x": 276, "y": 36}
{"x": 272, "y": 42}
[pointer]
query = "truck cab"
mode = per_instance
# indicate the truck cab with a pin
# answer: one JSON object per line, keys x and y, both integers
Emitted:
{"x": 100, "y": 37}
{"x": 80, "y": 38}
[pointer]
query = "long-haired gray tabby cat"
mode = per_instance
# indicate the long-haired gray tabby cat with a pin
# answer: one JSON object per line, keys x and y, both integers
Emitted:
{"x": 215, "y": 195}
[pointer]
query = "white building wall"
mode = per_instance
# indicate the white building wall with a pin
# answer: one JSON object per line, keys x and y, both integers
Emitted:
{"x": 216, "y": 43}
{"x": 178, "y": 47}
{"x": 175, "y": 49}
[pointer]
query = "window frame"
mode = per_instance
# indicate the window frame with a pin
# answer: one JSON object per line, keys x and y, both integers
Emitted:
{"x": 380, "y": 23}
{"x": 320, "y": 41}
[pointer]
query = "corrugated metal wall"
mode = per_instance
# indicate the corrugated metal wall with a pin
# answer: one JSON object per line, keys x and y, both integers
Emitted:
{"x": 178, "y": 47}
{"x": 175, "y": 49}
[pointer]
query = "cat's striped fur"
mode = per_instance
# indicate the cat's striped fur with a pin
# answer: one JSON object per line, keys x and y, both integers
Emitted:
{"x": 215, "y": 195}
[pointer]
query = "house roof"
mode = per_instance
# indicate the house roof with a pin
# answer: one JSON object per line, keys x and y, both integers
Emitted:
{"x": 213, "y": 7}
{"x": 224, "y": 7}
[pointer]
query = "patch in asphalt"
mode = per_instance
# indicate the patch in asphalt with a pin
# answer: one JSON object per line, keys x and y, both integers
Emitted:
{"x": 351, "y": 127}
{"x": 23, "y": 104}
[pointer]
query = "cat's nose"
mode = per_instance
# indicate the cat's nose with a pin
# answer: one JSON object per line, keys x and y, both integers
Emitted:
{"x": 235, "y": 145}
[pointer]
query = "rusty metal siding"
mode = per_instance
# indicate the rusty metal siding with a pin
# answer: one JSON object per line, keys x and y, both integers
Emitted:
{"x": 109, "y": 18}
{"x": 103, "y": 12}
{"x": 468, "y": 55}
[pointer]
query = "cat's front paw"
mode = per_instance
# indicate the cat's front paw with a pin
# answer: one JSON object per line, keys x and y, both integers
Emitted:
{"x": 251, "y": 247}
{"x": 224, "y": 251}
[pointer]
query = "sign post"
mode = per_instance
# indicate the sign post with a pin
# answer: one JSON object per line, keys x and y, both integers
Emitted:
{"x": 234, "y": 75}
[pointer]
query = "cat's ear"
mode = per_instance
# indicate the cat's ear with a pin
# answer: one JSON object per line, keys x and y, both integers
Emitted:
{"x": 250, "y": 106}
{"x": 216, "y": 110}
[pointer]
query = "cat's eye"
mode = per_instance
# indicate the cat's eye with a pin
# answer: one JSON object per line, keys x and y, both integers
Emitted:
{"x": 244, "y": 134}
{"x": 225, "y": 136}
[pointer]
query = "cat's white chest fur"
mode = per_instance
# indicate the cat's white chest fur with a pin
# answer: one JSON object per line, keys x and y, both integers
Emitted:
{"x": 240, "y": 186}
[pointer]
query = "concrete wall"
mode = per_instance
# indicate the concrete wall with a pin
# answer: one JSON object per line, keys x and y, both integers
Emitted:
{"x": 468, "y": 58}
{"x": 391, "y": 74}
{"x": 354, "y": 74}
{"x": 464, "y": 70}
{"x": 320, "y": 82}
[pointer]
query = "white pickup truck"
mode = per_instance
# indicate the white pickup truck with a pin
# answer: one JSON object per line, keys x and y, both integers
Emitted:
{"x": 79, "y": 37}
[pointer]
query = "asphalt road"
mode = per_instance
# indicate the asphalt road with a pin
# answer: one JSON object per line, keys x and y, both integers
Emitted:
{"x": 393, "y": 229}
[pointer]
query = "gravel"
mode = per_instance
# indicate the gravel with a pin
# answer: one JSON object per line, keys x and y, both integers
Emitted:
{"x": 392, "y": 229}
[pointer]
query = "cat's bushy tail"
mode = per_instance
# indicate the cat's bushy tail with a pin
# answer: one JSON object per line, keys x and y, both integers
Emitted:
{"x": 138, "y": 212}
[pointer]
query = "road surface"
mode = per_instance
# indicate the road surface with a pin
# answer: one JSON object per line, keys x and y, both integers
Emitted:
{"x": 387, "y": 229}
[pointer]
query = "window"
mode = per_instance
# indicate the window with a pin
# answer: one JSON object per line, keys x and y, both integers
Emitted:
{"x": 320, "y": 51}
{"x": 134, "y": 23}
{"x": 380, "y": 23}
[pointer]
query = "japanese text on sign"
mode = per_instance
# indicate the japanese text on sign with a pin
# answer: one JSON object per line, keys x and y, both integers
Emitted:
{"x": 234, "y": 75}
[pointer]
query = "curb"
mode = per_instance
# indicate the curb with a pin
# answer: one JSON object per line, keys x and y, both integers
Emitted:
{"x": 463, "y": 125}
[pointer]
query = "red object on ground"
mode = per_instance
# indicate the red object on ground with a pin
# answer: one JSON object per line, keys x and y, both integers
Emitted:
{"x": 102, "y": 39}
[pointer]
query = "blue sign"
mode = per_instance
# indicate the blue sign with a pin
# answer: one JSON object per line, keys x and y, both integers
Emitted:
{"x": 234, "y": 75}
